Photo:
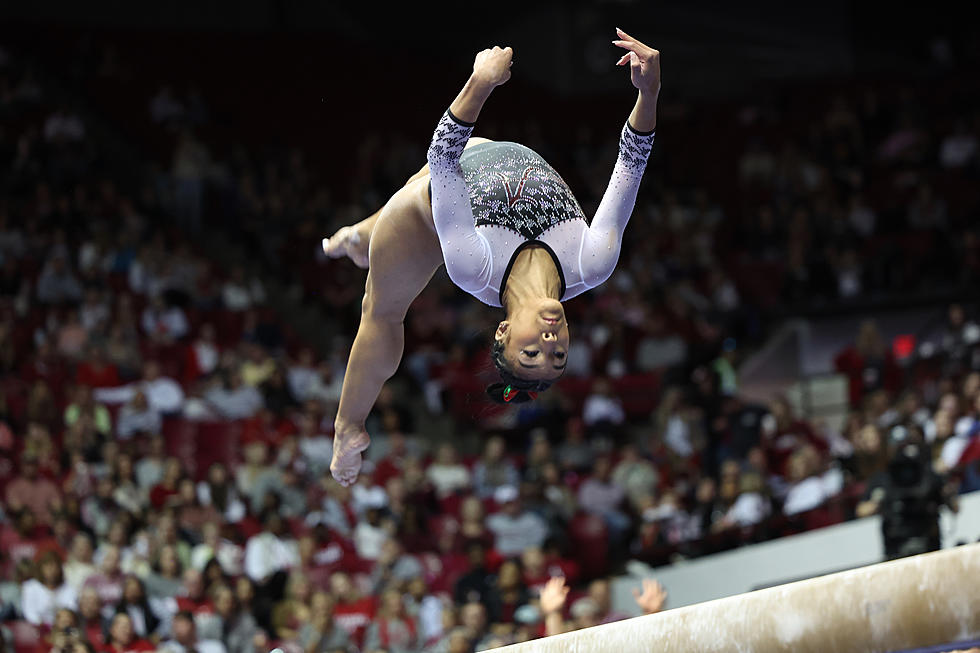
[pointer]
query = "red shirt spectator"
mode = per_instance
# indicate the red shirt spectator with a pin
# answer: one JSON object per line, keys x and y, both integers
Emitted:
{"x": 783, "y": 434}
{"x": 193, "y": 598}
{"x": 97, "y": 372}
{"x": 869, "y": 364}
{"x": 353, "y": 612}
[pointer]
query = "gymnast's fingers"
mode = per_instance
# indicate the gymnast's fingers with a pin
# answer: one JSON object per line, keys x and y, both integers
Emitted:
{"x": 632, "y": 46}
{"x": 624, "y": 35}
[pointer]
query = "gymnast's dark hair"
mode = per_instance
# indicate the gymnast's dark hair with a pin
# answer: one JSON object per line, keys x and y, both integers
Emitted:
{"x": 524, "y": 387}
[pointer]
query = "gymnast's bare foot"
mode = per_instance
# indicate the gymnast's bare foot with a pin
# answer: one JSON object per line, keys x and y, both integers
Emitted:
{"x": 348, "y": 241}
{"x": 348, "y": 443}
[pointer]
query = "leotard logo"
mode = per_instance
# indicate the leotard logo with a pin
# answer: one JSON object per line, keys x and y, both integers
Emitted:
{"x": 513, "y": 197}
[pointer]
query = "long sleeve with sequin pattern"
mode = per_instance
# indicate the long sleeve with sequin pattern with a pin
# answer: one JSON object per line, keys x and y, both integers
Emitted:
{"x": 603, "y": 239}
{"x": 465, "y": 251}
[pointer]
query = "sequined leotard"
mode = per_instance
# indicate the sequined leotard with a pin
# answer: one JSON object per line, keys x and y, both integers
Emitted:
{"x": 495, "y": 199}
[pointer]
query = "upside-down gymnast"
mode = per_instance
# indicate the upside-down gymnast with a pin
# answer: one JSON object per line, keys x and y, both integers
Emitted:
{"x": 509, "y": 232}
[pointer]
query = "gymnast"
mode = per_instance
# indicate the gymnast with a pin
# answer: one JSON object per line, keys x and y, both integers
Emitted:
{"x": 509, "y": 232}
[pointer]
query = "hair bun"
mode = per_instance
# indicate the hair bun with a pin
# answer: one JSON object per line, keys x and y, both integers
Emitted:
{"x": 496, "y": 393}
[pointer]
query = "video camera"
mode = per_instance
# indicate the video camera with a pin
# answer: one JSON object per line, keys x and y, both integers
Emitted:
{"x": 911, "y": 500}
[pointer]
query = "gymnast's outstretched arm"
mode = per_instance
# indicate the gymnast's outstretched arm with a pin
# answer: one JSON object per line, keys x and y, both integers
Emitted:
{"x": 603, "y": 240}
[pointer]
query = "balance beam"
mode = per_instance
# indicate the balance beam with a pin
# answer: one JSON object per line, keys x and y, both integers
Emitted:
{"x": 924, "y": 600}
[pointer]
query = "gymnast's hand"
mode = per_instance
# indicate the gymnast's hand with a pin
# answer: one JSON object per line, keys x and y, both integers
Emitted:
{"x": 492, "y": 66}
{"x": 644, "y": 62}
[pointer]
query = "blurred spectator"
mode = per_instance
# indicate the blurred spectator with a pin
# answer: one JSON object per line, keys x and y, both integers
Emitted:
{"x": 137, "y": 418}
{"x": 64, "y": 126}
{"x": 514, "y": 528}
{"x": 574, "y": 452}
{"x": 36, "y": 493}
{"x": 162, "y": 393}
{"x": 868, "y": 364}
{"x": 108, "y": 580}
{"x": 959, "y": 148}
{"x": 91, "y": 620}
{"x": 635, "y": 475}
{"x": 353, "y": 612}
{"x": 57, "y": 284}
{"x": 78, "y": 567}
{"x": 493, "y": 470}
{"x": 135, "y": 604}
{"x": 603, "y": 411}
{"x": 162, "y": 323}
{"x": 44, "y": 595}
{"x": 165, "y": 578}
{"x": 232, "y": 398}
{"x": 191, "y": 165}
{"x": 84, "y": 404}
{"x": 321, "y": 634}
{"x": 446, "y": 474}
{"x": 123, "y": 637}
{"x": 184, "y": 638}
{"x": 507, "y": 593}
{"x": 240, "y": 293}
{"x": 289, "y": 614}
{"x": 202, "y": 354}
{"x": 393, "y": 566}
{"x": 807, "y": 489}
{"x": 219, "y": 491}
{"x": 600, "y": 496}
{"x": 475, "y": 584}
{"x": 271, "y": 550}
{"x": 392, "y": 630}
{"x": 237, "y": 626}
{"x": 71, "y": 337}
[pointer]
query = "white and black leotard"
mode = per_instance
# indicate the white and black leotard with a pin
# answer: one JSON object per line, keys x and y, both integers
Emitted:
{"x": 494, "y": 199}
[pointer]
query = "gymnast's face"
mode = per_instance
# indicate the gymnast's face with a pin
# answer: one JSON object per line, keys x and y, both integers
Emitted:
{"x": 535, "y": 340}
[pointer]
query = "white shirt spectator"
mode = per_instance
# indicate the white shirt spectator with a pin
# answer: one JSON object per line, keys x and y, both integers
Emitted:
{"x": 953, "y": 449}
{"x": 600, "y": 408}
{"x": 448, "y": 478}
{"x": 131, "y": 420}
{"x": 265, "y": 554}
{"x": 236, "y": 403}
{"x": 301, "y": 379}
{"x": 63, "y": 126}
{"x": 93, "y": 314}
{"x": 229, "y": 555}
{"x": 40, "y": 604}
{"x": 242, "y": 296}
{"x": 515, "y": 534}
{"x": 749, "y": 509}
{"x": 368, "y": 540}
{"x": 163, "y": 394}
{"x": 317, "y": 452}
{"x": 235, "y": 509}
{"x": 677, "y": 436}
{"x": 169, "y": 322}
{"x": 957, "y": 149}
{"x": 207, "y": 356}
{"x": 805, "y": 495}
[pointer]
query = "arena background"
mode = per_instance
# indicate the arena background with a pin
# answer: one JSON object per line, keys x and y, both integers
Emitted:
{"x": 799, "y": 282}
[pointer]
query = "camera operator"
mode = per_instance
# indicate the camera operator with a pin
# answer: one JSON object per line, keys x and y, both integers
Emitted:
{"x": 908, "y": 494}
